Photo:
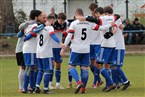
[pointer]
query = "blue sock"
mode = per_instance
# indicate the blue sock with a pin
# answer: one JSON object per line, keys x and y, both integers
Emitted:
{"x": 106, "y": 76}
{"x": 121, "y": 74}
{"x": 84, "y": 77}
{"x": 69, "y": 77}
{"x": 46, "y": 79}
{"x": 92, "y": 68}
{"x": 58, "y": 75}
{"x": 114, "y": 76}
{"x": 74, "y": 74}
{"x": 39, "y": 78}
{"x": 119, "y": 79}
{"x": 26, "y": 82}
{"x": 96, "y": 76}
{"x": 51, "y": 75}
{"x": 35, "y": 74}
{"x": 32, "y": 79}
{"x": 109, "y": 72}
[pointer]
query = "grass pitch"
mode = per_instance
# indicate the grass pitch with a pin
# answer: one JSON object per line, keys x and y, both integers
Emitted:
{"x": 133, "y": 67}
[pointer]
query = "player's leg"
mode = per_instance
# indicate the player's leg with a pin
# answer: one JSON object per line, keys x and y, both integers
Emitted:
{"x": 32, "y": 73}
{"x": 108, "y": 68}
{"x": 58, "y": 61}
{"x": 20, "y": 63}
{"x": 84, "y": 70}
{"x": 51, "y": 86}
{"x": 73, "y": 60}
{"x": 47, "y": 67}
{"x": 39, "y": 75}
{"x": 119, "y": 71}
{"x": 27, "y": 61}
{"x": 103, "y": 57}
{"x": 69, "y": 78}
{"x": 96, "y": 71}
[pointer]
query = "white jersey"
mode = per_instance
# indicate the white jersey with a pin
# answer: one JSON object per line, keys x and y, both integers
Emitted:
{"x": 30, "y": 45}
{"x": 119, "y": 38}
{"x": 81, "y": 36}
{"x": 44, "y": 44}
{"x": 96, "y": 37}
{"x": 110, "y": 43}
{"x": 19, "y": 45}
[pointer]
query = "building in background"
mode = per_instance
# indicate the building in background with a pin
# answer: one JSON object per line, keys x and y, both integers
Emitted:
{"x": 119, "y": 6}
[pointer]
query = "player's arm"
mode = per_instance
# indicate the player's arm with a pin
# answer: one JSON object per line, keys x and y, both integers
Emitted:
{"x": 105, "y": 27}
{"x": 38, "y": 29}
{"x": 67, "y": 41}
{"x": 68, "y": 38}
{"x": 109, "y": 34}
{"x": 20, "y": 33}
{"x": 116, "y": 16}
{"x": 24, "y": 25}
{"x": 89, "y": 19}
{"x": 34, "y": 32}
{"x": 55, "y": 38}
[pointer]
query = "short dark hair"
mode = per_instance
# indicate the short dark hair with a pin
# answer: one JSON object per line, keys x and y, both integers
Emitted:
{"x": 99, "y": 10}
{"x": 34, "y": 13}
{"x": 136, "y": 19}
{"x": 79, "y": 11}
{"x": 93, "y": 6}
{"x": 108, "y": 9}
{"x": 61, "y": 16}
{"x": 50, "y": 16}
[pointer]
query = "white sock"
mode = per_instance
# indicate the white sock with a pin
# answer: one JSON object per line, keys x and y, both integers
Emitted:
{"x": 126, "y": 82}
{"x": 57, "y": 84}
{"x": 50, "y": 83}
{"x": 21, "y": 78}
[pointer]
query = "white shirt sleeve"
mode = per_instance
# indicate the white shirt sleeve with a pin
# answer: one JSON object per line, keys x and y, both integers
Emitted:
{"x": 68, "y": 39}
{"x": 105, "y": 27}
{"x": 51, "y": 30}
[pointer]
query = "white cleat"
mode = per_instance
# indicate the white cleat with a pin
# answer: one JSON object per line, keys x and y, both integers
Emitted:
{"x": 51, "y": 87}
{"x": 59, "y": 87}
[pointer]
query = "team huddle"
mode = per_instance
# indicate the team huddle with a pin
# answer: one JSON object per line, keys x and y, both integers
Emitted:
{"x": 96, "y": 42}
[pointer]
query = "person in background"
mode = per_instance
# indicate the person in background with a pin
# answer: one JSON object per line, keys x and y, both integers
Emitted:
{"x": 138, "y": 36}
{"x": 127, "y": 35}
{"x": 53, "y": 12}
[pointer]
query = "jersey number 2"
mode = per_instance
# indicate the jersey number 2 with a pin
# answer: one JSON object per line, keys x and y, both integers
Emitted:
{"x": 84, "y": 34}
{"x": 41, "y": 40}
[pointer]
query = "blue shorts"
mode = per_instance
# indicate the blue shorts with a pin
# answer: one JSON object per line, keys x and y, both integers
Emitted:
{"x": 118, "y": 57}
{"x": 45, "y": 64}
{"x": 93, "y": 51}
{"x": 56, "y": 55}
{"x": 30, "y": 59}
{"x": 105, "y": 55}
{"x": 81, "y": 59}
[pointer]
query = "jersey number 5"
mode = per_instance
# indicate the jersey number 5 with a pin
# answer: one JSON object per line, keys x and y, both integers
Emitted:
{"x": 84, "y": 34}
{"x": 41, "y": 40}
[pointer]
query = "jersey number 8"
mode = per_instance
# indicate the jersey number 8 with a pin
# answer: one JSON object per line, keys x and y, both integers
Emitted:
{"x": 41, "y": 40}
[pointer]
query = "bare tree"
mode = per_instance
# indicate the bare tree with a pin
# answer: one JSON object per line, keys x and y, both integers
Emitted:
{"x": 6, "y": 14}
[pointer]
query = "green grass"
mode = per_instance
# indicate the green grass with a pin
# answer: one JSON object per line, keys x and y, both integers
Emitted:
{"x": 133, "y": 67}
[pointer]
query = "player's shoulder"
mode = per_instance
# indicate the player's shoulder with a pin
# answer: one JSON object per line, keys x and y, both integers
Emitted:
{"x": 75, "y": 22}
{"x": 49, "y": 27}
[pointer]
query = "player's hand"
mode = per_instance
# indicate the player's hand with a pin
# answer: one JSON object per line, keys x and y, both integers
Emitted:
{"x": 81, "y": 18}
{"x": 62, "y": 45}
{"x": 47, "y": 23}
{"x": 112, "y": 23}
{"x": 107, "y": 35}
{"x": 121, "y": 26}
{"x": 62, "y": 52}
